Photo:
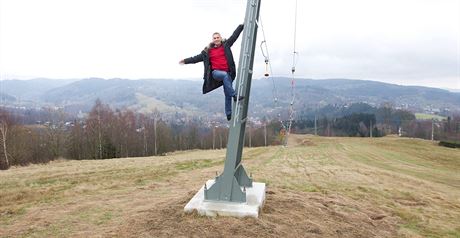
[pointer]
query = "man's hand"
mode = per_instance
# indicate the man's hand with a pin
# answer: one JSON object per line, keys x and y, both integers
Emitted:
{"x": 181, "y": 62}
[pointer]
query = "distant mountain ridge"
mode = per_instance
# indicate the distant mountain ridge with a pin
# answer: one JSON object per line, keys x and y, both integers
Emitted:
{"x": 184, "y": 96}
{"x": 31, "y": 89}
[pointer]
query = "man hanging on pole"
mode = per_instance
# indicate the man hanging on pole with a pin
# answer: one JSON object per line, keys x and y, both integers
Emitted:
{"x": 219, "y": 67}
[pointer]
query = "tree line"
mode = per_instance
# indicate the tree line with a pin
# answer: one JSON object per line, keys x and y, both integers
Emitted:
{"x": 106, "y": 133}
{"x": 39, "y": 137}
{"x": 363, "y": 120}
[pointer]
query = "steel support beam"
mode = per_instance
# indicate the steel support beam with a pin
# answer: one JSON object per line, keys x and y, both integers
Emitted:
{"x": 230, "y": 185}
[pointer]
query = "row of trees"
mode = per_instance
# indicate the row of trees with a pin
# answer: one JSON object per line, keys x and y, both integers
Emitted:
{"x": 358, "y": 119}
{"x": 21, "y": 145}
{"x": 356, "y": 124}
{"x": 448, "y": 130}
{"x": 114, "y": 134}
{"x": 106, "y": 133}
{"x": 382, "y": 121}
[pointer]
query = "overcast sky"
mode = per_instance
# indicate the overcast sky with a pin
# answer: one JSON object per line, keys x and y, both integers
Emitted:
{"x": 409, "y": 42}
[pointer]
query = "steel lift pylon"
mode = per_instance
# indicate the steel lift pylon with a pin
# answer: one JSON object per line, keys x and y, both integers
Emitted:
{"x": 230, "y": 186}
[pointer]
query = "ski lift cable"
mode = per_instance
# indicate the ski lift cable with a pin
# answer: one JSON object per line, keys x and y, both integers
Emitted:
{"x": 268, "y": 67}
{"x": 294, "y": 63}
{"x": 266, "y": 55}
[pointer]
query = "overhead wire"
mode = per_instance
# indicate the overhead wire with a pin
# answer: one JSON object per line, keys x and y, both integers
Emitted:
{"x": 268, "y": 66}
{"x": 293, "y": 69}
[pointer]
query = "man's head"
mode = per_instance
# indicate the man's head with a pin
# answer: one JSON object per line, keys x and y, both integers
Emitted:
{"x": 216, "y": 39}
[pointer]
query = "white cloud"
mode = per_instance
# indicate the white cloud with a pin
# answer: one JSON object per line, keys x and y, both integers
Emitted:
{"x": 405, "y": 42}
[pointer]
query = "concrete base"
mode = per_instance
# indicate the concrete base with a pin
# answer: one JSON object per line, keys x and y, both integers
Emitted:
{"x": 255, "y": 198}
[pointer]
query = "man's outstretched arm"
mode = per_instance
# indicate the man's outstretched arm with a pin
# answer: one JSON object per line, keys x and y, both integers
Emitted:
{"x": 235, "y": 35}
{"x": 192, "y": 60}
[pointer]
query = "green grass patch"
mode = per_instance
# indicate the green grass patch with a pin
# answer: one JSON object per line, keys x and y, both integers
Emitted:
{"x": 51, "y": 229}
{"x": 453, "y": 233}
{"x": 424, "y": 116}
{"x": 94, "y": 215}
{"x": 417, "y": 225}
{"x": 275, "y": 156}
{"x": 197, "y": 164}
{"x": 309, "y": 188}
{"x": 10, "y": 214}
{"x": 450, "y": 144}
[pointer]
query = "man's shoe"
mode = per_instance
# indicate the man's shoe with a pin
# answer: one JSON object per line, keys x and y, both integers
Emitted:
{"x": 229, "y": 117}
{"x": 239, "y": 99}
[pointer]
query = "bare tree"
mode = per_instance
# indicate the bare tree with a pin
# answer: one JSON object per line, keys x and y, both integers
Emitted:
{"x": 55, "y": 130}
{"x": 99, "y": 124}
{"x": 5, "y": 123}
{"x": 144, "y": 130}
{"x": 76, "y": 148}
{"x": 156, "y": 115}
{"x": 129, "y": 136}
{"x": 4, "y": 132}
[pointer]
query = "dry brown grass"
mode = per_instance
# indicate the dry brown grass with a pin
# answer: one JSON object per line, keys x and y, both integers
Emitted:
{"x": 317, "y": 187}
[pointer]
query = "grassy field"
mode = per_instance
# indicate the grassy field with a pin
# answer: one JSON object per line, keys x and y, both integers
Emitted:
{"x": 317, "y": 187}
{"x": 424, "y": 116}
{"x": 148, "y": 104}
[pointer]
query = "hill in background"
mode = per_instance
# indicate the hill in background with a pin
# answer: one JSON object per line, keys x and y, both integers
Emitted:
{"x": 184, "y": 96}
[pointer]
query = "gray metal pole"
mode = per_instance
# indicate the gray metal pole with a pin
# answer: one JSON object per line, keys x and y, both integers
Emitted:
{"x": 213, "y": 137}
{"x": 371, "y": 129}
{"x": 316, "y": 133}
{"x": 230, "y": 185}
{"x": 265, "y": 133}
